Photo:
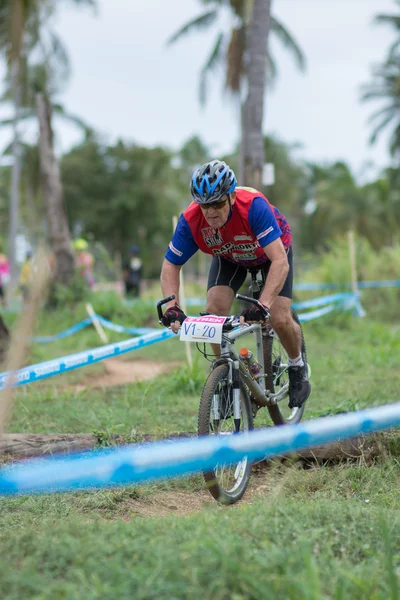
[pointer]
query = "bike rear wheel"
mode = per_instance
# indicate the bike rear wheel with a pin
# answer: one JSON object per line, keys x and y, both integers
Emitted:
{"x": 226, "y": 483}
{"x": 277, "y": 377}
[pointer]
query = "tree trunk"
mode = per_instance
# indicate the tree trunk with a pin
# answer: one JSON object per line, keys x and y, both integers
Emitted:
{"x": 252, "y": 144}
{"x": 4, "y": 340}
{"x": 60, "y": 239}
{"x": 15, "y": 174}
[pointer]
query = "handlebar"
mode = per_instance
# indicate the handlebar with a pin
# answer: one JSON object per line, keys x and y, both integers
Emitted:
{"x": 159, "y": 305}
{"x": 262, "y": 308}
{"x": 230, "y": 322}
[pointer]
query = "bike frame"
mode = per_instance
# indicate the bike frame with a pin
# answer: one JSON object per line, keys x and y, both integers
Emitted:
{"x": 262, "y": 396}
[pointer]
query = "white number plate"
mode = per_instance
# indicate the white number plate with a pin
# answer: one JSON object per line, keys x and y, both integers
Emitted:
{"x": 202, "y": 329}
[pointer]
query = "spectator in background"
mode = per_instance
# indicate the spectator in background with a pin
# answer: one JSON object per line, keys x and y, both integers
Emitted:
{"x": 4, "y": 275}
{"x": 132, "y": 273}
{"x": 84, "y": 260}
{"x": 25, "y": 277}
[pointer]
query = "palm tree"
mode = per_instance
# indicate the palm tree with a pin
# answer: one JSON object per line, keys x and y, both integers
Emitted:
{"x": 393, "y": 21}
{"x": 23, "y": 25}
{"x": 229, "y": 48}
{"x": 386, "y": 86}
{"x": 245, "y": 55}
{"x": 252, "y": 146}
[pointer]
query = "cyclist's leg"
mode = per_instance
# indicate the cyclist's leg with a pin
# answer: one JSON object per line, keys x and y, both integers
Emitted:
{"x": 287, "y": 329}
{"x": 224, "y": 280}
{"x": 289, "y": 333}
{"x": 281, "y": 315}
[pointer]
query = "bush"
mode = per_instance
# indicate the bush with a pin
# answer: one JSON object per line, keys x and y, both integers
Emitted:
{"x": 111, "y": 306}
{"x": 61, "y": 295}
{"x": 334, "y": 267}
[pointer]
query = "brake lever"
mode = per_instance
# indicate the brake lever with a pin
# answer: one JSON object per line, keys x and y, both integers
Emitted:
{"x": 159, "y": 305}
{"x": 264, "y": 310}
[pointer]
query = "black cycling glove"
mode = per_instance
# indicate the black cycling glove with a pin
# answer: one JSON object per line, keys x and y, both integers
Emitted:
{"x": 172, "y": 314}
{"x": 254, "y": 313}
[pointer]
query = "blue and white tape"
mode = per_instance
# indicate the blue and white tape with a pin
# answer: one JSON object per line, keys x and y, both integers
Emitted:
{"x": 322, "y": 300}
{"x": 122, "y": 329}
{"x": 379, "y": 284}
{"x": 45, "y": 339}
{"x": 137, "y": 464}
{"x": 334, "y": 286}
{"x": 81, "y": 359}
{"x": 344, "y": 301}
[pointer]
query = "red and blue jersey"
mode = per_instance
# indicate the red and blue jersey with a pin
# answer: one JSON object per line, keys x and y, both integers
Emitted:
{"x": 252, "y": 224}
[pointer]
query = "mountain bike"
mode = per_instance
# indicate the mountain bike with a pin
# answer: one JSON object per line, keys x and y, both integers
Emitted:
{"x": 231, "y": 396}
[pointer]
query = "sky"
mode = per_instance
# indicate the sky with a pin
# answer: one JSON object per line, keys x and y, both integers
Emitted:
{"x": 126, "y": 82}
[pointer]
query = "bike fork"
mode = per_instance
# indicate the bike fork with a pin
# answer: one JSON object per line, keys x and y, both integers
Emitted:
{"x": 215, "y": 411}
{"x": 236, "y": 396}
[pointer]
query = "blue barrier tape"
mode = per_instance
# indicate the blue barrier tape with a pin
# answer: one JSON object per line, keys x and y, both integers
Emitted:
{"x": 195, "y": 301}
{"x": 122, "y": 329}
{"x": 314, "y": 314}
{"x": 322, "y": 300}
{"x": 85, "y": 323}
{"x": 73, "y": 361}
{"x": 318, "y": 286}
{"x": 379, "y": 284}
{"x": 348, "y": 301}
{"x": 135, "y": 464}
{"x": 44, "y": 339}
{"x": 334, "y": 286}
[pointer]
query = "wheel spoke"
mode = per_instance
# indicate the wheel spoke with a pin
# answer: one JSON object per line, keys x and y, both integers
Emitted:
{"x": 227, "y": 482}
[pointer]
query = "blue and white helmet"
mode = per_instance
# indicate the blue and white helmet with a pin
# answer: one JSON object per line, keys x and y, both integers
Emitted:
{"x": 212, "y": 181}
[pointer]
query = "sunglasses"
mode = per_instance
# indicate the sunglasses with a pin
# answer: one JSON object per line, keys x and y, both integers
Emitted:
{"x": 216, "y": 205}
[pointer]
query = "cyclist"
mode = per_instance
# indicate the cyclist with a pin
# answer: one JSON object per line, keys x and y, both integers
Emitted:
{"x": 241, "y": 230}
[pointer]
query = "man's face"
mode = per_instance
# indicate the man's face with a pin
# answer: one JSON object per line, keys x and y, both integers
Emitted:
{"x": 216, "y": 214}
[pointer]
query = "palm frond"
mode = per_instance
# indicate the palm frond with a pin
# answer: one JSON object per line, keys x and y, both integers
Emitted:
{"x": 23, "y": 116}
{"x": 388, "y": 20}
{"x": 201, "y": 22}
{"x": 380, "y": 127}
{"x": 239, "y": 7}
{"x": 235, "y": 54}
{"x": 392, "y": 108}
{"x": 286, "y": 38}
{"x": 60, "y": 111}
{"x": 272, "y": 71}
{"x": 59, "y": 53}
{"x": 212, "y": 61}
{"x": 392, "y": 55}
{"x": 395, "y": 141}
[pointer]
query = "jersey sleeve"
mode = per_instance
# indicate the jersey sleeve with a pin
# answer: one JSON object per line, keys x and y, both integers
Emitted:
{"x": 182, "y": 246}
{"x": 263, "y": 223}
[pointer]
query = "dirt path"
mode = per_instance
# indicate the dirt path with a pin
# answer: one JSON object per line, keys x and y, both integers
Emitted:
{"x": 120, "y": 372}
{"x": 186, "y": 502}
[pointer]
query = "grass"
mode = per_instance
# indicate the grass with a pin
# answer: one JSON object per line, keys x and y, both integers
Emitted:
{"x": 325, "y": 532}
{"x": 263, "y": 550}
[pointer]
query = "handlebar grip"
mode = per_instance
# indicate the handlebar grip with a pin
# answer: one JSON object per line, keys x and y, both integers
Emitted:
{"x": 256, "y": 302}
{"x": 159, "y": 305}
{"x": 247, "y": 299}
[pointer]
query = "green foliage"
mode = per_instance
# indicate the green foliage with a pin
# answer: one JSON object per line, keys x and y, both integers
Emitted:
{"x": 61, "y": 295}
{"x": 186, "y": 380}
{"x": 138, "y": 313}
{"x": 123, "y": 194}
{"x": 333, "y": 266}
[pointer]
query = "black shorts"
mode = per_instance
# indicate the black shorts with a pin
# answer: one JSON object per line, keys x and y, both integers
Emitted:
{"x": 1, "y": 291}
{"x": 224, "y": 272}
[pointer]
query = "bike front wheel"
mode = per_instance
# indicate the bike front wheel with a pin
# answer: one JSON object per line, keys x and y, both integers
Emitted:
{"x": 226, "y": 483}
